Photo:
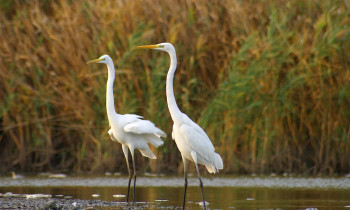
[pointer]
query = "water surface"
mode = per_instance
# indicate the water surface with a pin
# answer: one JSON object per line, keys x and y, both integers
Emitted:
{"x": 246, "y": 192}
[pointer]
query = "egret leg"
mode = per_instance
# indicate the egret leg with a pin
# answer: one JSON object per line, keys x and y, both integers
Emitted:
{"x": 185, "y": 175}
{"x": 133, "y": 162}
{"x": 125, "y": 150}
{"x": 194, "y": 156}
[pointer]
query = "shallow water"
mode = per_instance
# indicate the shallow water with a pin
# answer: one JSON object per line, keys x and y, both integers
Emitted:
{"x": 246, "y": 192}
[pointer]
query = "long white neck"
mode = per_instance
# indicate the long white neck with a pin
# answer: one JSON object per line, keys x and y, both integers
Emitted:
{"x": 173, "y": 108}
{"x": 109, "y": 94}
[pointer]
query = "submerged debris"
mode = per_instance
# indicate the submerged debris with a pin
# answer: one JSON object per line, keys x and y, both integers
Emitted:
{"x": 161, "y": 200}
{"x": 28, "y": 196}
{"x": 42, "y": 201}
{"x": 201, "y": 203}
{"x": 16, "y": 176}
{"x": 118, "y": 196}
{"x": 57, "y": 176}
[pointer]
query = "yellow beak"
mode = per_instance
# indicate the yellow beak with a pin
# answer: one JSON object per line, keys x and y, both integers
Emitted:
{"x": 93, "y": 61}
{"x": 147, "y": 47}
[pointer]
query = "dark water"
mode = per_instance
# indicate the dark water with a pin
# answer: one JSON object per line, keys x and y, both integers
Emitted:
{"x": 220, "y": 192}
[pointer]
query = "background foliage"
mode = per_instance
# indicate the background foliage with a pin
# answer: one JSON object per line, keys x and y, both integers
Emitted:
{"x": 268, "y": 80}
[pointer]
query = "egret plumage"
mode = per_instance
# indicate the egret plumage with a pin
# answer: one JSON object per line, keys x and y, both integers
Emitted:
{"x": 191, "y": 140}
{"x": 129, "y": 129}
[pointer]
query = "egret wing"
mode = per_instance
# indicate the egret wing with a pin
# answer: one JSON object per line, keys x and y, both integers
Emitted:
{"x": 143, "y": 127}
{"x": 198, "y": 140}
{"x": 129, "y": 118}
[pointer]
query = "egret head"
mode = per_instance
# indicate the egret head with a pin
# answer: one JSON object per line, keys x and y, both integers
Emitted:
{"x": 103, "y": 59}
{"x": 167, "y": 47}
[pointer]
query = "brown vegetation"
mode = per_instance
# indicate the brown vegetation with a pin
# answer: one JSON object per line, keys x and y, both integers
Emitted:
{"x": 269, "y": 81}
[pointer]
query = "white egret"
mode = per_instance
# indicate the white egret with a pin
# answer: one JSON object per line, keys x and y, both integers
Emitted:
{"x": 129, "y": 129}
{"x": 191, "y": 140}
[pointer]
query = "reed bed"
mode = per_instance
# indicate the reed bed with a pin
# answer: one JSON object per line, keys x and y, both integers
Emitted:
{"x": 269, "y": 81}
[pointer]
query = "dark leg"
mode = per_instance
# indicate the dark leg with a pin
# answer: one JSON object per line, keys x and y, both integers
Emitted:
{"x": 201, "y": 185}
{"x": 133, "y": 162}
{"x": 194, "y": 156}
{"x": 127, "y": 196}
{"x": 185, "y": 174}
{"x": 125, "y": 150}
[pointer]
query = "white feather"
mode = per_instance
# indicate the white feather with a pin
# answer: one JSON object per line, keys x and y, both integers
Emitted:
{"x": 129, "y": 129}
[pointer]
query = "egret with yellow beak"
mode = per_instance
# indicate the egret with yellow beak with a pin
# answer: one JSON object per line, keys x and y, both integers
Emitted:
{"x": 129, "y": 129}
{"x": 191, "y": 140}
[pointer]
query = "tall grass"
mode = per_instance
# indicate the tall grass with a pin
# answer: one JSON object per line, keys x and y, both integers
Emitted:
{"x": 269, "y": 82}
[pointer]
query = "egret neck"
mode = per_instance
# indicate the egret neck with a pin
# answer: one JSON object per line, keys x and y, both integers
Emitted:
{"x": 109, "y": 95}
{"x": 173, "y": 108}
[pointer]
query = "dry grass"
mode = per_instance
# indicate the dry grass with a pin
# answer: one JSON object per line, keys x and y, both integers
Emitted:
{"x": 268, "y": 81}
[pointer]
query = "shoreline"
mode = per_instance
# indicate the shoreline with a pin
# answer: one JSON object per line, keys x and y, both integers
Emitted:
{"x": 21, "y": 202}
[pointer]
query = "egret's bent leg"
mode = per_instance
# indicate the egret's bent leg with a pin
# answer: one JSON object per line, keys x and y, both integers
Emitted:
{"x": 125, "y": 150}
{"x": 133, "y": 162}
{"x": 185, "y": 174}
{"x": 194, "y": 156}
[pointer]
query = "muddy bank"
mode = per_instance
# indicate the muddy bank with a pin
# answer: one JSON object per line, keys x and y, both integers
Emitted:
{"x": 42, "y": 201}
{"x": 54, "y": 203}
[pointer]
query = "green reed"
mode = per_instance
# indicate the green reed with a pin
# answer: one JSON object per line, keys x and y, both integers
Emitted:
{"x": 268, "y": 81}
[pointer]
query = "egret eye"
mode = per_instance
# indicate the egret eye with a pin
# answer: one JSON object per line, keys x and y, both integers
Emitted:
{"x": 161, "y": 46}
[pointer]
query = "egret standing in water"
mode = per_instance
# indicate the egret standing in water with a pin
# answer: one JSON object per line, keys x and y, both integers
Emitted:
{"x": 129, "y": 129}
{"x": 191, "y": 140}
